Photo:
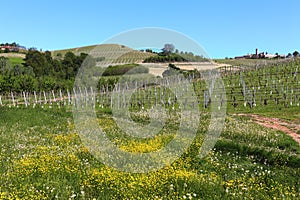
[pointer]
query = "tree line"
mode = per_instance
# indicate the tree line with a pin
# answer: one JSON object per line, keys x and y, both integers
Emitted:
{"x": 170, "y": 54}
{"x": 39, "y": 71}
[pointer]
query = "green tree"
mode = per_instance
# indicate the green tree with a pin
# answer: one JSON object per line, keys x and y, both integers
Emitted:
{"x": 68, "y": 64}
{"x": 5, "y": 66}
{"x": 47, "y": 83}
{"x": 168, "y": 48}
{"x": 37, "y": 61}
{"x": 3, "y": 63}
{"x": 2, "y": 83}
{"x": 49, "y": 70}
{"x": 58, "y": 69}
{"x": 18, "y": 70}
{"x": 25, "y": 83}
{"x": 296, "y": 54}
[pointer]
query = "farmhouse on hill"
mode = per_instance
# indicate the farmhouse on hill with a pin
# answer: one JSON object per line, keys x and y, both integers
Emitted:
{"x": 11, "y": 47}
{"x": 261, "y": 55}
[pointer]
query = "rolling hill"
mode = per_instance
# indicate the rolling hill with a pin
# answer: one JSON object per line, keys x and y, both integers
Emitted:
{"x": 113, "y": 53}
{"x": 14, "y": 58}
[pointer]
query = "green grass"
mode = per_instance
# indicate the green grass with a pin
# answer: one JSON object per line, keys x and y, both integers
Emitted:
{"x": 16, "y": 60}
{"x": 291, "y": 114}
{"x": 42, "y": 157}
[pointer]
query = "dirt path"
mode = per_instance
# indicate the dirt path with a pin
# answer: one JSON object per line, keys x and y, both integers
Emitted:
{"x": 13, "y": 55}
{"x": 277, "y": 124}
{"x": 158, "y": 68}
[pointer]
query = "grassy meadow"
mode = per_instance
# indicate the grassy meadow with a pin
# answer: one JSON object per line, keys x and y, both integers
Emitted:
{"x": 16, "y": 60}
{"x": 42, "y": 155}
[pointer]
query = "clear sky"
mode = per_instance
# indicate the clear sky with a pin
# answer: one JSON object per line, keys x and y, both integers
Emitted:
{"x": 222, "y": 28}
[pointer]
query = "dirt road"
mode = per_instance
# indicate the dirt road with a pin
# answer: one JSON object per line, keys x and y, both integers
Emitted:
{"x": 278, "y": 124}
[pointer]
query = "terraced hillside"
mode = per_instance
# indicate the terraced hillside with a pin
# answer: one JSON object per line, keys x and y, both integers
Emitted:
{"x": 252, "y": 62}
{"x": 113, "y": 53}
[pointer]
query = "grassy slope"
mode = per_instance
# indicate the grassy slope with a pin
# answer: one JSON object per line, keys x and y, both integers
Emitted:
{"x": 123, "y": 54}
{"x": 84, "y": 49}
{"x": 250, "y": 62}
{"x": 16, "y": 60}
{"x": 41, "y": 157}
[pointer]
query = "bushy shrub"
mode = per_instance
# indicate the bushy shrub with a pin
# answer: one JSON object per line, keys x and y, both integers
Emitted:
{"x": 123, "y": 69}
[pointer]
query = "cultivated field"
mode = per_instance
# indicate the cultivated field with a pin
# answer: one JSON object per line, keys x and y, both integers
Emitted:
{"x": 113, "y": 53}
{"x": 13, "y": 55}
{"x": 157, "y": 69}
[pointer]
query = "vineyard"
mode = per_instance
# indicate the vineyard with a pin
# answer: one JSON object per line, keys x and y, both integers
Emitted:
{"x": 150, "y": 100}
{"x": 275, "y": 86}
{"x": 126, "y": 54}
{"x": 42, "y": 155}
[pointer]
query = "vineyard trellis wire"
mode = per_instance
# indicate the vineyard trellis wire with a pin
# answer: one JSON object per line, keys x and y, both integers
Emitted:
{"x": 275, "y": 85}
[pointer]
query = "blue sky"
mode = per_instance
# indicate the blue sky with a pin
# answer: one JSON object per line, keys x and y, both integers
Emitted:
{"x": 222, "y": 28}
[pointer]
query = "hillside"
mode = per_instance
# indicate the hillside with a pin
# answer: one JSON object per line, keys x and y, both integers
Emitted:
{"x": 47, "y": 153}
{"x": 251, "y": 62}
{"x": 14, "y": 58}
{"x": 61, "y": 53}
{"x": 13, "y": 55}
{"x": 113, "y": 53}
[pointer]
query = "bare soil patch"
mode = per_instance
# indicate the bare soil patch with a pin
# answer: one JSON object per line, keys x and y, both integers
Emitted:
{"x": 277, "y": 124}
{"x": 158, "y": 68}
{"x": 13, "y": 55}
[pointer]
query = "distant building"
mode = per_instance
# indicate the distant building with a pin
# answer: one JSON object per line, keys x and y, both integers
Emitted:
{"x": 261, "y": 55}
{"x": 239, "y": 57}
{"x": 10, "y": 48}
{"x": 270, "y": 56}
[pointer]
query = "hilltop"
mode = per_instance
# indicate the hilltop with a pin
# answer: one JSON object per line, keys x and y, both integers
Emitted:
{"x": 114, "y": 53}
